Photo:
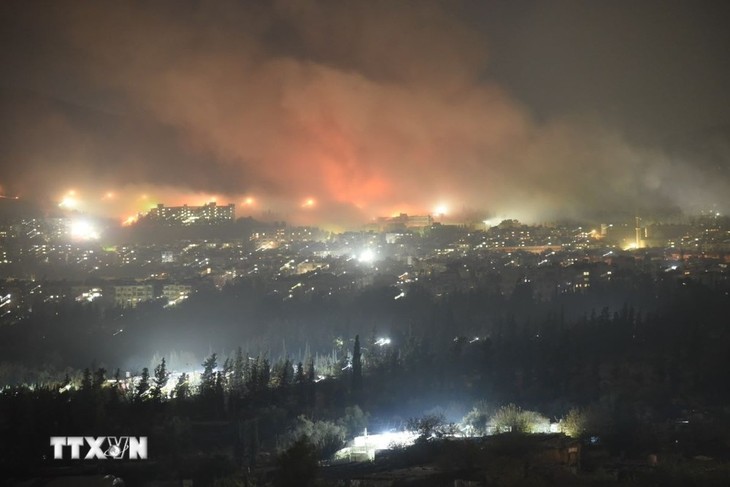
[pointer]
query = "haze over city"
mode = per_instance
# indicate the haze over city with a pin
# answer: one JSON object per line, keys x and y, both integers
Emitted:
{"x": 339, "y": 112}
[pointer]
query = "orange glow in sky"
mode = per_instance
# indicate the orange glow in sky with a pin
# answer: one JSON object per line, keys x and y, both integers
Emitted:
{"x": 366, "y": 200}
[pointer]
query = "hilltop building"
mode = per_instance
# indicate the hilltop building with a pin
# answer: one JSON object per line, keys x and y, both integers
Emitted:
{"x": 209, "y": 213}
{"x": 131, "y": 295}
{"x": 401, "y": 222}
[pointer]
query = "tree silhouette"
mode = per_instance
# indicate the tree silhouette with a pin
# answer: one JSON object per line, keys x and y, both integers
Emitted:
{"x": 356, "y": 365}
{"x": 238, "y": 377}
{"x": 208, "y": 379}
{"x": 182, "y": 388}
{"x": 144, "y": 384}
{"x": 159, "y": 381}
{"x": 299, "y": 374}
{"x": 99, "y": 378}
{"x": 86, "y": 382}
{"x": 310, "y": 370}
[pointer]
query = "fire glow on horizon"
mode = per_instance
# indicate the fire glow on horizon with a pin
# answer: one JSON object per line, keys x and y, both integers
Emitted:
{"x": 127, "y": 204}
{"x": 332, "y": 112}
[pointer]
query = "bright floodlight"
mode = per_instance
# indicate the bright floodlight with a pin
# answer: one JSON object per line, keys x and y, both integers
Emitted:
{"x": 83, "y": 230}
{"x": 441, "y": 209}
{"x": 367, "y": 256}
{"x": 68, "y": 202}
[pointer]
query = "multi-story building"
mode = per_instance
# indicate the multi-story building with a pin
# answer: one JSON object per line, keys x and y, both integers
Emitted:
{"x": 174, "y": 292}
{"x": 402, "y": 221}
{"x": 209, "y": 213}
{"x": 130, "y": 296}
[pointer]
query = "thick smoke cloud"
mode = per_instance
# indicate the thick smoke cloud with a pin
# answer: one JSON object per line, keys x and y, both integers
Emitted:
{"x": 369, "y": 108}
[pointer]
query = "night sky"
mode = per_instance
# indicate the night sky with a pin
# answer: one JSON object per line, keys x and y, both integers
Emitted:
{"x": 533, "y": 110}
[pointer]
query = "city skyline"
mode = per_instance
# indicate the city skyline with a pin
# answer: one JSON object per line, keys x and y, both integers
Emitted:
{"x": 328, "y": 113}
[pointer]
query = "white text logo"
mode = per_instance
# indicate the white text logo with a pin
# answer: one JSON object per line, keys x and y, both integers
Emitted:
{"x": 100, "y": 447}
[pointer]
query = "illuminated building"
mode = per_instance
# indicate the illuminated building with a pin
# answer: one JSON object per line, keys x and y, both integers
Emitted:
{"x": 45, "y": 229}
{"x": 130, "y": 296}
{"x": 403, "y": 221}
{"x": 89, "y": 295}
{"x": 209, "y": 213}
{"x": 175, "y": 291}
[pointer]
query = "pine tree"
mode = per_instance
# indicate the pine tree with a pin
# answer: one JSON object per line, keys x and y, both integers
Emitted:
{"x": 86, "y": 380}
{"x": 299, "y": 374}
{"x": 284, "y": 377}
{"x": 227, "y": 374}
{"x": 99, "y": 378}
{"x": 182, "y": 388}
{"x": 159, "y": 381}
{"x": 219, "y": 393}
{"x": 238, "y": 372}
{"x": 144, "y": 384}
{"x": 264, "y": 374}
{"x": 208, "y": 379}
{"x": 310, "y": 370}
{"x": 252, "y": 378}
{"x": 356, "y": 365}
{"x": 116, "y": 387}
